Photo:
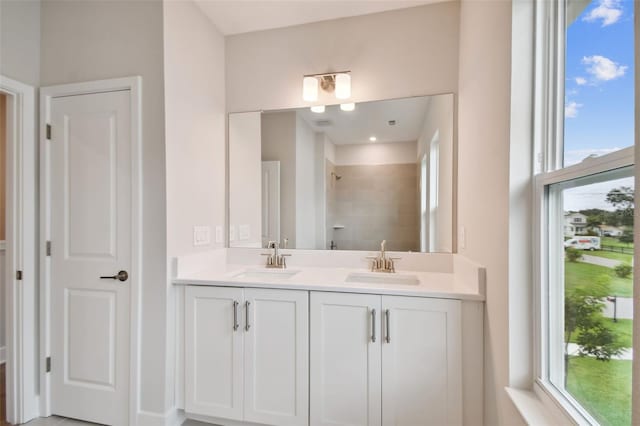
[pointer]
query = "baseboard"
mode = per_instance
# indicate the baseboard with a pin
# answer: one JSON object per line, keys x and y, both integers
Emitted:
{"x": 3, "y": 354}
{"x": 173, "y": 417}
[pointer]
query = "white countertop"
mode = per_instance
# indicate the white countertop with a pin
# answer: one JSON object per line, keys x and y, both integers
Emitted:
{"x": 445, "y": 285}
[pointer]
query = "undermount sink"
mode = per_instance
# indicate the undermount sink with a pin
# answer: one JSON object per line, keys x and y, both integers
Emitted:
{"x": 382, "y": 278}
{"x": 267, "y": 274}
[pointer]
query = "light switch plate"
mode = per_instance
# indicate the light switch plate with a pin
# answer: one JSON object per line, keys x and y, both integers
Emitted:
{"x": 219, "y": 235}
{"x": 232, "y": 233}
{"x": 201, "y": 235}
{"x": 244, "y": 232}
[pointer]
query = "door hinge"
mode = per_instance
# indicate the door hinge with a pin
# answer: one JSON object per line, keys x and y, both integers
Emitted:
{"x": 47, "y": 363}
{"x": 48, "y": 131}
{"x": 48, "y": 248}
{"x": 19, "y": 275}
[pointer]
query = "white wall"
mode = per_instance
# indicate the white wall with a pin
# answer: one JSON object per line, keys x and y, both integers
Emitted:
{"x": 3, "y": 356}
{"x": 439, "y": 123}
{"x": 245, "y": 177}
{"x": 305, "y": 185}
{"x": 483, "y": 180}
{"x": 84, "y": 41}
{"x": 375, "y": 154}
{"x": 20, "y": 40}
{"x": 396, "y": 54}
{"x": 194, "y": 126}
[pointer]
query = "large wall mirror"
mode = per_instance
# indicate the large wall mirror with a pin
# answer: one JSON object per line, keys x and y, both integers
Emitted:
{"x": 344, "y": 180}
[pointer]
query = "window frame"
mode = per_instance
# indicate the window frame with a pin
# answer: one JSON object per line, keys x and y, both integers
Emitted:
{"x": 549, "y": 170}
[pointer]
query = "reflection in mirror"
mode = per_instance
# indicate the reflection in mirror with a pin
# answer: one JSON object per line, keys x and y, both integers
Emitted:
{"x": 344, "y": 180}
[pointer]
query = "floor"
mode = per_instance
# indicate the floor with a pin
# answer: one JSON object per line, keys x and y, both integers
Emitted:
{"x": 53, "y": 420}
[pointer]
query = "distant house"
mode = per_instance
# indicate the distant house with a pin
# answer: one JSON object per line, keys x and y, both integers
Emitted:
{"x": 610, "y": 231}
{"x": 575, "y": 224}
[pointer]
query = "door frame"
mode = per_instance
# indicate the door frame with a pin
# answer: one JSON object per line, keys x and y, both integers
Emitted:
{"x": 21, "y": 228}
{"x": 134, "y": 85}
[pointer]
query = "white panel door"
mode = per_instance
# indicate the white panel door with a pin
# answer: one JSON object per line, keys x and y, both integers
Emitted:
{"x": 270, "y": 202}
{"x": 345, "y": 359}
{"x": 213, "y": 351}
{"x": 421, "y": 362}
{"x": 276, "y": 357}
{"x": 90, "y": 178}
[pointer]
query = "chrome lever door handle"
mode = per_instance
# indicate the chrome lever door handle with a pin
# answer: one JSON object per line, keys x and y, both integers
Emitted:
{"x": 121, "y": 276}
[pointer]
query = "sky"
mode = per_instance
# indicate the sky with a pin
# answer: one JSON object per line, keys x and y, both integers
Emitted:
{"x": 599, "y": 92}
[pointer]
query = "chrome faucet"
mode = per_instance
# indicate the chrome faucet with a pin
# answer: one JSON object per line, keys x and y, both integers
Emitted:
{"x": 275, "y": 259}
{"x": 382, "y": 263}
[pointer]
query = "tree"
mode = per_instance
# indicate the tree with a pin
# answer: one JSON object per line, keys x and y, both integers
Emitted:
{"x": 573, "y": 254}
{"x": 583, "y": 319}
{"x": 623, "y": 270}
{"x": 623, "y": 200}
{"x": 626, "y": 237}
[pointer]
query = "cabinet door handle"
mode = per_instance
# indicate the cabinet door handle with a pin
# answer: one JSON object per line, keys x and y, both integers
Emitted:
{"x": 247, "y": 325}
{"x": 387, "y": 315}
{"x": 235, "y": 315}
{"x": 373, "y": 325}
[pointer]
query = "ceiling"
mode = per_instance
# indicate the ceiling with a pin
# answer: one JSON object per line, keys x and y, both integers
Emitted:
{"x": 371, "y": 119}
{"x": 243, "y": 16}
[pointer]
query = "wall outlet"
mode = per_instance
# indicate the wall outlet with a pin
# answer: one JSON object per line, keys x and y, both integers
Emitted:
{"x": 201, "y": 235}
{"x": 219, "y": 235}
{"x": 232, "y": 233}
{"x": 244, "y": 232}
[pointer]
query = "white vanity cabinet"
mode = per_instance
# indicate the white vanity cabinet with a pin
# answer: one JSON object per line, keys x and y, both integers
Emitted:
{"x": 385, "y": 360}
{"x": 247, "y": 355}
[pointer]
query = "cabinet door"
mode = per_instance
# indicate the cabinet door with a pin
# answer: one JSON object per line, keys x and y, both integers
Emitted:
{"x": 213, "y": 351}
{"x": 345, "y": 359}
{"x": 276, "y": 357}
{"x": 421, "y": 362}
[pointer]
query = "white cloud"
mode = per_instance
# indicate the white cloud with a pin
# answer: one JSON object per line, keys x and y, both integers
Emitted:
{"x": 578, "y": 155}
{"x": 602, "y": 68}
{"x": 608, "y": 11}
{"x": 571, "y": 109}
{"x": 581, "y": 81}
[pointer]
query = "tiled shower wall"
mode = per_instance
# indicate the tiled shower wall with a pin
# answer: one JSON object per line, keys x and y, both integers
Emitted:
{"x": 373, "y": 203}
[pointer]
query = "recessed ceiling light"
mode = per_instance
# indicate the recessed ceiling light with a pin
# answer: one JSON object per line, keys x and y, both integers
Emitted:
{"x": 348, "y": 107}
{"x": 373, "y": 139}
{"x": 318, "y": 108}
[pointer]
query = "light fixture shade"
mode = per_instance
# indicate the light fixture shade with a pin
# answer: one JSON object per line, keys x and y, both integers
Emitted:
{"x": 348, "y": 107}
{"x": 310, "y": 89}
{"x": 343, "y": 86}
{"x": 317, "y": 108}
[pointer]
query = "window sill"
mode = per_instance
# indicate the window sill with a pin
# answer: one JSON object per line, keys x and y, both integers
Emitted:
{"x": 538, "y": 408}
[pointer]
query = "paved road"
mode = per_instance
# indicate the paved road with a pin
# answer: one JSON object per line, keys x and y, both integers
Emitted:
{"x": 600, "y": 261}
{"x": 626, "y": 355}
{"x": 624, "y": 308}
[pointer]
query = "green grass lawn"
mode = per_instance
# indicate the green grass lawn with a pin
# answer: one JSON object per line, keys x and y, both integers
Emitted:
{"x": 623, "y": 329}
{"x": 603, "y": 388}
{"x": 626, "y": 258}
{"x": 581, "y": 274}
{"x": 610, "y": 241}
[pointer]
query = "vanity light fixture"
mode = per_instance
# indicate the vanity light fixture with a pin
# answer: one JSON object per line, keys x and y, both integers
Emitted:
{"x": 318, "y": 109}
{"x": 338, "y": 83}
{"x": 348, "y": 107}
{"x": 373, "y": 139}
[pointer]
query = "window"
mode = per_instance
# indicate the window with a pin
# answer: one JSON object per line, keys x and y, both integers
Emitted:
{"x": 585, "y": 190}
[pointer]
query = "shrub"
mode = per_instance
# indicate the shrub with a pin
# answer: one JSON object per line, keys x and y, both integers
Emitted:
{"x": 573, "y": 254}
{"x": 623, "y": 270}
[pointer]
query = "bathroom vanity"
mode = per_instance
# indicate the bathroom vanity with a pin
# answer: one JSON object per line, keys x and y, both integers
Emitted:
{"x": 315, "y": 344}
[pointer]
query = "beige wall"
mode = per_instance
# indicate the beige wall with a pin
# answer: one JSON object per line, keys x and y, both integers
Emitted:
{"x": 396, "y": 54}
{"x": 92, "y": 40}
{"x": 3, "y": 170}
{"x": 375, "y": 203}
{"x": 279, "y": 144}
{"x": 20, "y": 40}
{"x": 194, "y": 126}
{"x": 483, "y": 180}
